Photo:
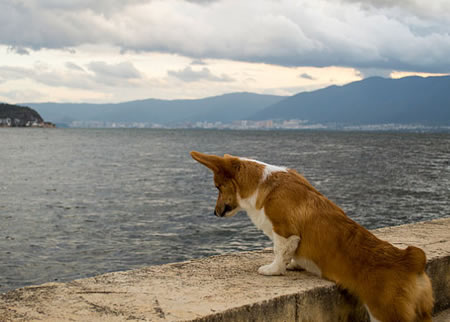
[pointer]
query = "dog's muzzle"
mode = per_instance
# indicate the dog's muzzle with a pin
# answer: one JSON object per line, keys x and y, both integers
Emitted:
{"x": 224, "y": 212}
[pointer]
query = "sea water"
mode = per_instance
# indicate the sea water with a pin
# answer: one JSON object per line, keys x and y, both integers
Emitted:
{"x": 81, "y": 202}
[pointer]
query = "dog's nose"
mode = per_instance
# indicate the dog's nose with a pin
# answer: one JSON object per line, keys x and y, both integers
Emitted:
{"x": 225, "y": 210}
{"x": 219, "y": 214}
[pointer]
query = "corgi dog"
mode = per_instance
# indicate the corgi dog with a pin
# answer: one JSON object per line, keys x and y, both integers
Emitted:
{"x": 311, "y": 232}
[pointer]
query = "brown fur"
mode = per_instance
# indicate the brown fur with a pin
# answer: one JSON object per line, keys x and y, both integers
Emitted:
{"x": 392, "y": 282}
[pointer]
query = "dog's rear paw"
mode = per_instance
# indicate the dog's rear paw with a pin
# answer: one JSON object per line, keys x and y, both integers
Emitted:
{"x": 271, "y": 270}
{"x": 294, "y": 266}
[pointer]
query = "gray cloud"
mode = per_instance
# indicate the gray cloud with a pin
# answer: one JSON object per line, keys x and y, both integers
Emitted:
{"x": 383, "y": 3}
{"x": 41, "y": 74}
{"x": 8, "y": 73}
{"x": 198, "y": 62}
{"x": 202, "y": 2}
{"x": 18, "y": 50}
{"x": 306, "y": 76}
{"x": 369, "y": 72}
{"x": 101, "y": 74}
{"x": 190, "y": 75}
{"x": 124, "y": 70}
{"x": 421, "y": 8}
{"x": 74, "y": 66}
{"x": 105, "y": 7}
{"x": 405, "y": 35}
{"x": 23, "y": 95}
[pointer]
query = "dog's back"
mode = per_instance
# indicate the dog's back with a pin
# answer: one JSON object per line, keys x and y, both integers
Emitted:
{"x": 390, "y": 281}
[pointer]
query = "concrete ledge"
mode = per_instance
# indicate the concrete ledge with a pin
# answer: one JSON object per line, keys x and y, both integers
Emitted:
{"x": 221, "y": 288}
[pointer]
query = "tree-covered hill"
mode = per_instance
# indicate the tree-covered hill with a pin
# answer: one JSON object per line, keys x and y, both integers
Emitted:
{"x": 15, "y": 115}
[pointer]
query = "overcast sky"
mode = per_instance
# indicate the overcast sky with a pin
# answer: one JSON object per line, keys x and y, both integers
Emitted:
{"x": 119, "y": 50}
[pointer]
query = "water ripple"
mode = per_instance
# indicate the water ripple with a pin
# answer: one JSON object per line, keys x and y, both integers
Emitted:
{"x": 76, "y": 203}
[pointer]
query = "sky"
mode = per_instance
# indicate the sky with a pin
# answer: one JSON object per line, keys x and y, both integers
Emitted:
{"x": 119, "y": 50}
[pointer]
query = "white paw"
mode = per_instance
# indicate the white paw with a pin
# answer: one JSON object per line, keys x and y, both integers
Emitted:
{"x": 271, "y": 270}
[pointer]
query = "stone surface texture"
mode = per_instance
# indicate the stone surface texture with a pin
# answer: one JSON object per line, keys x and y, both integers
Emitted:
{"x": 221, "y": 288}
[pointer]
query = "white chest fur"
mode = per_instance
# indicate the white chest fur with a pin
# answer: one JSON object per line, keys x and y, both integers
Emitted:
{"x": 261, "y": 221}
{"x": 257, "y": 216}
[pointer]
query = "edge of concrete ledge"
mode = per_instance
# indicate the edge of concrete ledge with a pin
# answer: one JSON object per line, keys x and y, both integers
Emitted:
{"x": 222, "y": 288}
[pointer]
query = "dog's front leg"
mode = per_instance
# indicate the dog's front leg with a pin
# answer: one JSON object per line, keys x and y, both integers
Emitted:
{"x": 284, "y": 250}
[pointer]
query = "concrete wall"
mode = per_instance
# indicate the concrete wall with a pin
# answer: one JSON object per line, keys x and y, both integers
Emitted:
{"x": 221, "y": 288}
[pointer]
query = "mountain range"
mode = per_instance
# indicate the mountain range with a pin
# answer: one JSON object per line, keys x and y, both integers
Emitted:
{"x": 224, "y": 108}
{"x": 373, "y": 100}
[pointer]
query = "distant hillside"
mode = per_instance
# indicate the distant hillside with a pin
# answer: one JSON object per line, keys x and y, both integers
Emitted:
{"x": 370, "y": 101}
{"x": 410, "y": 100}
{"x": 15, "y": 115}
{"x": 225, "y": 108}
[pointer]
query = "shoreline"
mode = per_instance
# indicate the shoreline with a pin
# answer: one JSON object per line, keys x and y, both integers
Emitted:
{"x": 44, "y": 125}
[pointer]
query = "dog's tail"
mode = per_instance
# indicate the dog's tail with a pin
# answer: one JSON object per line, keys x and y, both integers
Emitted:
{"x": 424, "y": 300}
{"x": 415, "y": 259}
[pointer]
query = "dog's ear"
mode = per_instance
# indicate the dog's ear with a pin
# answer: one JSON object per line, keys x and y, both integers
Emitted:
{"x": 227, "y": 165}
{"x": 213, "y": 162}
{"x": 233, "y": 163}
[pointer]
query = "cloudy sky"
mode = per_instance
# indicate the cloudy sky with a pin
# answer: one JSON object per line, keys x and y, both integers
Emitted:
{"x": 119, "y": 50}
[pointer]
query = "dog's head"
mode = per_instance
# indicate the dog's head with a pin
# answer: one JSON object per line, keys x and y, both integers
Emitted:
{"x": 225, "y": 169}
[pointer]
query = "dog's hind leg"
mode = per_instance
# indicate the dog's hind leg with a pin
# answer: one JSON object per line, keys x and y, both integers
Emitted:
{"x": 284, "y": 250}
